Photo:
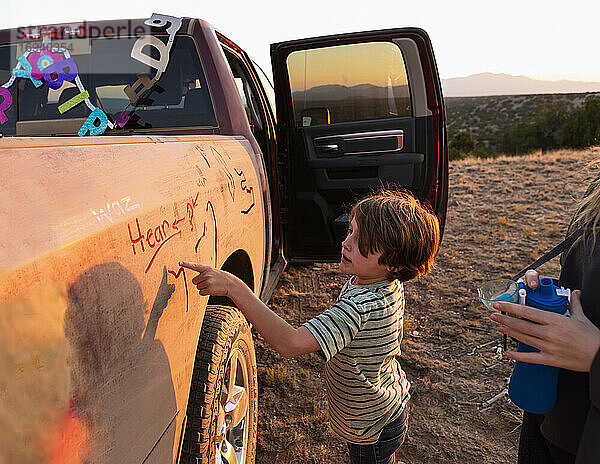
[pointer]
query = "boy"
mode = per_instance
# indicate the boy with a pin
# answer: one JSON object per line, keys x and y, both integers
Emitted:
{"x": 391, "y": 239}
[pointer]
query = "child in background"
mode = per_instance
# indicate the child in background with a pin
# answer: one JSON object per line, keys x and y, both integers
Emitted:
{"x": 391, "y": 239}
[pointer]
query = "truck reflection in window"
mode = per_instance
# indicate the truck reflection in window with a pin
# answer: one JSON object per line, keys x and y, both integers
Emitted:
{"x": 181, "y": 94}
{"x": 344, "y": 83}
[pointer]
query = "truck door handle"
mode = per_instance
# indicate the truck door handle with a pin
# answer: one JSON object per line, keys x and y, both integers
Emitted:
{"x": 329, "y": 148}
{"x": 398, "y": 135}
{"x": 394, "y": 139}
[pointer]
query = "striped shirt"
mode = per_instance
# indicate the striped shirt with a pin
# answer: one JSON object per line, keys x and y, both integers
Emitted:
{"x": 360, "y": 338}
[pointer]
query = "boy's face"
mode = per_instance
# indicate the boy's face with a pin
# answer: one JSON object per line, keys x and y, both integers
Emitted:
{"x": 367, "y": 269}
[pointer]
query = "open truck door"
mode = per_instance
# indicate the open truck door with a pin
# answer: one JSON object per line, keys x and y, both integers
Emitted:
{"x": 355, "y": 112}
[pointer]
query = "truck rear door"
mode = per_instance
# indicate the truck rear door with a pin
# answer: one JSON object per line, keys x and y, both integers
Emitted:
{"x": 355, "y": 112}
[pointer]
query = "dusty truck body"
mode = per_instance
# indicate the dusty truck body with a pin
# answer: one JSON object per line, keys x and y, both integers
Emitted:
{"x": 154, "y": 141}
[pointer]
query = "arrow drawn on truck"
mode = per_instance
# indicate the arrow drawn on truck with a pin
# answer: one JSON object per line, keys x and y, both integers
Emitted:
{"x": 156, "y": 237}
{"x": 158, "y": 249}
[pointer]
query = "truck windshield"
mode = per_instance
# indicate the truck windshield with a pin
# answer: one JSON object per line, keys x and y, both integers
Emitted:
{"x": 110, "y": 76}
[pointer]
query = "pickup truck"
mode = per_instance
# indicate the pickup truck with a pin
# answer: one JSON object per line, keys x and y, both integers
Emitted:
{"x": 130, "y": 145}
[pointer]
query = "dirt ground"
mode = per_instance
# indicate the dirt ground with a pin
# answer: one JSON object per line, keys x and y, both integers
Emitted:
{"x": 502, "y": 214}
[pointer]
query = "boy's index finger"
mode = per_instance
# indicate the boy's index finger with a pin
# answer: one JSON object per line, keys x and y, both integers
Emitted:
{"x": 194, "y": 266}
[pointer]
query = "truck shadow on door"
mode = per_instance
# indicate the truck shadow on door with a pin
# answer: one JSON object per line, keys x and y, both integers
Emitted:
{"x": 121, "y": 384}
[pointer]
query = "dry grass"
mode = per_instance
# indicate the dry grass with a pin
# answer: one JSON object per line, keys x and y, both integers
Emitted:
{"x": 409, "y": 324}
{"x": 520, "y": 208}
{"x": 552, "y": 230}
{"x": 277, "y": 374}
{"x": 481, "y": 238}
{"x": 450, "y": 348}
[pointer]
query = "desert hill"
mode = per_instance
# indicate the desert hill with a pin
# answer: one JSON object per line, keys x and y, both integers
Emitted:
{"x": 490, "y": 117}
{"x": 486, "y": 84}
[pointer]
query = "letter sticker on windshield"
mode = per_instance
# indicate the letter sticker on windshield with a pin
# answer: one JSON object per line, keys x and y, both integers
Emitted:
{"x": 26, "y": 71}
{"x": 89, "y": 124}
{"x": 160, "y": 64}
{"x": 122, "y": 119}
{"x": 72, "y": 102}
{"x": 144, "y": 81}
{"x": 160, "y": 20}
{"x": 6, "y": 102}
{"x": 40, "y": 59}
{"x": 64, "y": 70}
{"x": 133, "y": 91}
{"x": 56, "y": 66}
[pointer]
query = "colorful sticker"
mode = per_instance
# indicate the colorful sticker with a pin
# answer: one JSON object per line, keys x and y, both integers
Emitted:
{"x": 39, "y": 60}
{"x": 123, "y": 118}
{"x": 76, "y": 100}
{"x": 90, "y": 123}
{"x": 26, "y": 71}
{"x": 6, "y": 102}
{"x": 56, "y": 69}
{"x": 88, "y": 103}
{"x": 63, "y": 70}
{"x": 55, "y": 66}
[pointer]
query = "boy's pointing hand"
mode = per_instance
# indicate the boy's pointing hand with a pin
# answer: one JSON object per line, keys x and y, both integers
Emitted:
{"x": 194, "y": 266}
{"x": 210, "y": 281}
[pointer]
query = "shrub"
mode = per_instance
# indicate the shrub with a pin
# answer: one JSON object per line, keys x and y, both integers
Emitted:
{"x": 463, "y": 142}
{"x": 464, "y": 145}
{"x": 553, "y": 126}
{"x": 582, "y": 128}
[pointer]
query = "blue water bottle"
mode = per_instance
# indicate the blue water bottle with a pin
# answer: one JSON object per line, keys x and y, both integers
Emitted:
{"x": 533, "y": 387}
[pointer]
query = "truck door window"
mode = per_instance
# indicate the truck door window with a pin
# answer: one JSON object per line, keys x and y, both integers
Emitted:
{"x": 267, "y": 85}
{"x": 343, "y": 83}
{"x": 244, "y": 92}
{"x": 250, "y": 100}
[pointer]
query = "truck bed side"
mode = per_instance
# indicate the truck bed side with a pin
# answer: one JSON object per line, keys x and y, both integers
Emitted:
{"x": 99, "y": 322}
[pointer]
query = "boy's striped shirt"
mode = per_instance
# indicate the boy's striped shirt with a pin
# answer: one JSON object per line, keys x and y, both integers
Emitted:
{"x": 360, "y": 336}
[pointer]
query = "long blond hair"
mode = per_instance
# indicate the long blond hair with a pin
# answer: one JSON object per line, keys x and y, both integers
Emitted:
{"x": 587, "y": 216}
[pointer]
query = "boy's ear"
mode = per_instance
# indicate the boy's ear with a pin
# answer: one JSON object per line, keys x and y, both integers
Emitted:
{"x": 394, "y": 269}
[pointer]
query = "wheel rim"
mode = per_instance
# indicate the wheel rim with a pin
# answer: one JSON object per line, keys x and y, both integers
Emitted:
{"x": 233, "y": 412}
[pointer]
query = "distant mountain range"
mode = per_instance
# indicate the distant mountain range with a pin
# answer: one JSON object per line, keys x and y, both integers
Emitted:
{"x": 476, "y": 85}
{"x": 341, "y": 92}
{"x": 487, "y": 84}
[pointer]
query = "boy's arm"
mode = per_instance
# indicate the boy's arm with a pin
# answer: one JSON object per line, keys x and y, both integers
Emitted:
{"x": 285, "y": 339}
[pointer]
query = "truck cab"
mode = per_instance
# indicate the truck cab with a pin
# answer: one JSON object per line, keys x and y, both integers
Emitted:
{"x": 128, "y": 146}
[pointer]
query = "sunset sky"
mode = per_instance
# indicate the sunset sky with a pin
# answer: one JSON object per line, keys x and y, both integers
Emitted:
{"x": 541, "y": 39}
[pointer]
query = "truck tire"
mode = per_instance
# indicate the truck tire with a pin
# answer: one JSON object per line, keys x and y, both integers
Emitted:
{"x": 222, "y": 412}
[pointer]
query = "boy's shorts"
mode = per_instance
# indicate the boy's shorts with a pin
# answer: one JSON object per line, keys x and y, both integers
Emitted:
{"x": 383, "y": 451}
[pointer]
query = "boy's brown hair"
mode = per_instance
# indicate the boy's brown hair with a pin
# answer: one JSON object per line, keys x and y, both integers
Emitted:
{"x": 396, "y": 225}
